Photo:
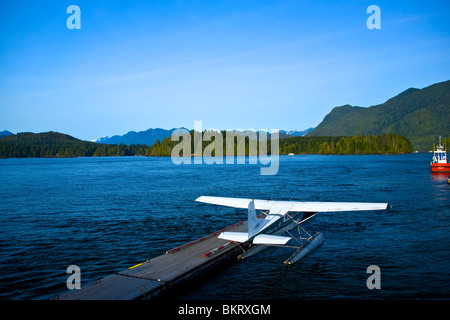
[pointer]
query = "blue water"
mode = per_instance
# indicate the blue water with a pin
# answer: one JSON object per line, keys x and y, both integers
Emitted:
{"x": 107, "y": 214}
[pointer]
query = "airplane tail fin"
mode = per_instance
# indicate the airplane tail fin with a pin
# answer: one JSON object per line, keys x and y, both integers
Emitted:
{"x": 254, "y": 226}
{"x": 253, "y": 222}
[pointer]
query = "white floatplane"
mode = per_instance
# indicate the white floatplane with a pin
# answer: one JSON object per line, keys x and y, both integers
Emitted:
{"x": 279, "y": 217}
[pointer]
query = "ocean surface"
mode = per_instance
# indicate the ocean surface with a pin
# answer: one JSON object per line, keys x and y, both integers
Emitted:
{"x": 107, "y": 214}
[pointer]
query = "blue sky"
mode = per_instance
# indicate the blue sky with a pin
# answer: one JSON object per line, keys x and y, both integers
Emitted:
{"x": 135, "y": 65}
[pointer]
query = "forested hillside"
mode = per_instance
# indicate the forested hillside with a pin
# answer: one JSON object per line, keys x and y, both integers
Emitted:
{"x": 54, "y": 144}
{"x": 420, "y": 115}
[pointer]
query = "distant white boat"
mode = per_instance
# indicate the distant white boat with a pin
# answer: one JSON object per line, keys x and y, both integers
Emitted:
{"x": 290, "y": 154}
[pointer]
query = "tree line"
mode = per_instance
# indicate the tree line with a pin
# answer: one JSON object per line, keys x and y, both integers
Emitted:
{"x": 52, "y": 144}
{"x": 382, "y": 144}
{"x": 370, "y": 144}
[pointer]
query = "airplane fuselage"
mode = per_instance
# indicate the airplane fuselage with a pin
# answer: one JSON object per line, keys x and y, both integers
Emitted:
{"x": 279, "y": 224}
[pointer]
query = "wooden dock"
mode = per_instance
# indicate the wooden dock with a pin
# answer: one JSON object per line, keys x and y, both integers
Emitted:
{"x": 164, "y": 274}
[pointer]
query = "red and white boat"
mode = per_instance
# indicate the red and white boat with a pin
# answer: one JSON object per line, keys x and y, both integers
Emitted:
{"x": 439, "y": 162}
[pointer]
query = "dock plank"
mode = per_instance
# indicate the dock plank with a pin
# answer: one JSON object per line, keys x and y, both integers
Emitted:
{"x": 114, "y": 287}
{"x": 159, "y": 274}
{"x": 172, "y": 265}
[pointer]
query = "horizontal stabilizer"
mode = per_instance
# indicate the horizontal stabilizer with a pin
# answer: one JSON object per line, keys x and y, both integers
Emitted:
{"x": 269, "y": 239}
{"x": 234, "y": 236}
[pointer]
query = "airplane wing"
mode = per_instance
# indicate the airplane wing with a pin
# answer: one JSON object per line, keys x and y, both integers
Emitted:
{"x": 240, "y": 203}
{"x": 337, "y": 206}
{"x": 294, "y": 206}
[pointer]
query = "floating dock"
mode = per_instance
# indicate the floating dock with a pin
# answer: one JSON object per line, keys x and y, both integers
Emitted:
{"x": 167, "y": 273}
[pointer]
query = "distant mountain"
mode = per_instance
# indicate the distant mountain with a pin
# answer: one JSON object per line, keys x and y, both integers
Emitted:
{"x": 150, "y": 136}
{"x": 296, "y": 133}
{"x": 5, "y": 133}
{"x": 421, "y": 115}
{"x": 147, "y": 137}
